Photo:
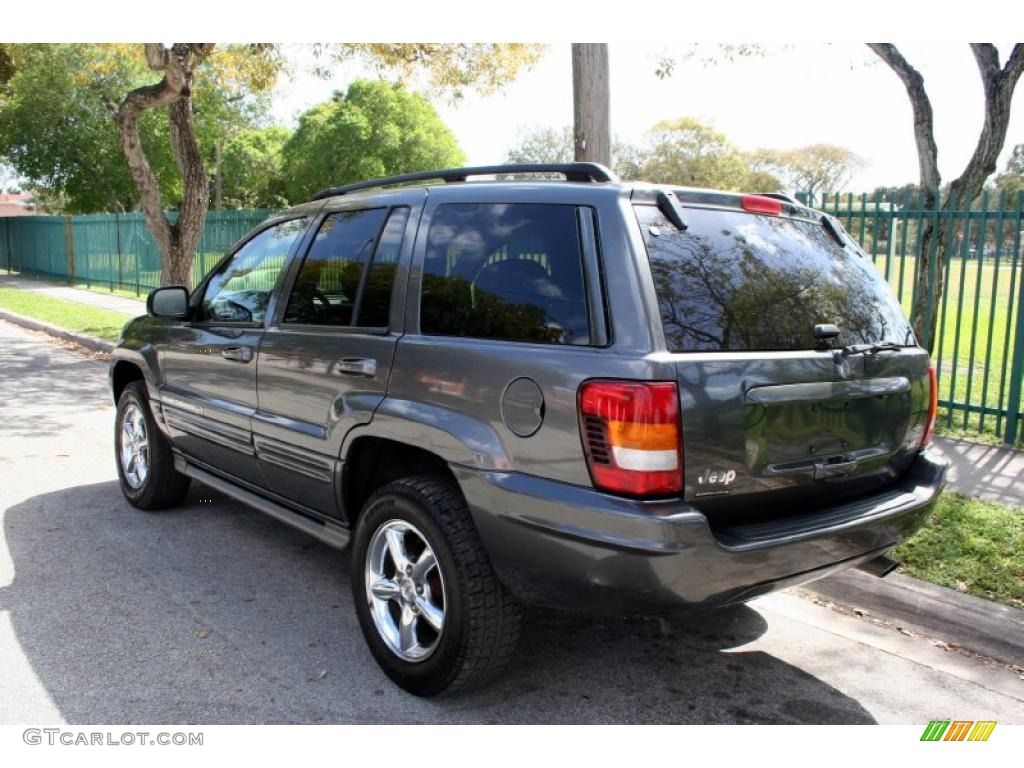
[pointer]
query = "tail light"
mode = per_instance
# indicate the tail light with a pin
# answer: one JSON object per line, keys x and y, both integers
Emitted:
{"x": 933, "y": 406}
{"x": 631, "y": 436}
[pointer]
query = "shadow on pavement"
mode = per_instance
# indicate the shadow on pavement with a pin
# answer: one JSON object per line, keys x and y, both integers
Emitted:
{"x": 213, "y": 613}
{"x": 47, "y": 379}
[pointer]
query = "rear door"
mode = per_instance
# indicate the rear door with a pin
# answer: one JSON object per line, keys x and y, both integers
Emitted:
{"x": 324, "y": 363}
{"x": 776, "y": 416}
{"x": 209, "y": 363}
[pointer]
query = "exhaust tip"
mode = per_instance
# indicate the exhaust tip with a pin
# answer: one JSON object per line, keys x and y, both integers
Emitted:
{"x": 880, "y": 566}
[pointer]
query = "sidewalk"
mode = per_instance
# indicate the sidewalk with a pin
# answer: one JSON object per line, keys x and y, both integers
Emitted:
{"x": 131, "y": 307}
{"x": 990, "y": 472}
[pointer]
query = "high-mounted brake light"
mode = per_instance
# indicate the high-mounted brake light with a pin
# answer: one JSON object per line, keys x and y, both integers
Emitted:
{"x": 631, "y": 436}
{"x": 933, "y": 406}
{"x": 758, "y": 204}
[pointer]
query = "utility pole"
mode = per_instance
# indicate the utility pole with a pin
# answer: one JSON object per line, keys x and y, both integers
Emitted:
{"x": 592, "y": 129}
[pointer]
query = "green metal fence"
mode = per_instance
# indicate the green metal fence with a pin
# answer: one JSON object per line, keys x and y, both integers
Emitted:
{"x": 114, "y": 251}
{"x": 979, "y": 341}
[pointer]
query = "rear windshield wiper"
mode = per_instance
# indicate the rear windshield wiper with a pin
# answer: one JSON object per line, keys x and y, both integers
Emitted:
{"x": 868, "y": 349}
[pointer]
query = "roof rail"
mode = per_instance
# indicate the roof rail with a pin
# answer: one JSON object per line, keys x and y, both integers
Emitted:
{"x": 593, "y": 172}
{"x": 780, "y": 196}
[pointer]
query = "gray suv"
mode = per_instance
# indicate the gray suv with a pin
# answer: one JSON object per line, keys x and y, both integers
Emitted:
{"x": 582, "y": 393}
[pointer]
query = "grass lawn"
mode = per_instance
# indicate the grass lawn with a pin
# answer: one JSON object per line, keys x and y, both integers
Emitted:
{"x": 69, "y": 315}
{"x": 970, "y": 545}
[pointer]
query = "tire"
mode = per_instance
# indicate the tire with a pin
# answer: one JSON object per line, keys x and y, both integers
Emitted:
{"x": 480, "y": 621}
{"x": 152, "y": 482}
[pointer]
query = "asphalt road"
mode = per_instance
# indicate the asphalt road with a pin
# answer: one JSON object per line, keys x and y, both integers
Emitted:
{"x": 213, "y": 613}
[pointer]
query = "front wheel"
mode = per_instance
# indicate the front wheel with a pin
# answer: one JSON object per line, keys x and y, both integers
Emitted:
{"x": 145, "y": 464}
{"x": 429, "y": 604}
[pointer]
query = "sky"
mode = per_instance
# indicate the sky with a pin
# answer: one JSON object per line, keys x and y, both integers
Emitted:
{"x": 792, "y": 95}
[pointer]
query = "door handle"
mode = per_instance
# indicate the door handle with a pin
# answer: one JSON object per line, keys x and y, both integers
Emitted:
{"x": 837, "y": 470}
{"x": 238, "y": 354}
{"x": 357, "y": 366}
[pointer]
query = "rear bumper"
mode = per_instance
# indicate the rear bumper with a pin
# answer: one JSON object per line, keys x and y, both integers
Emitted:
{"x": 573, "y": 547}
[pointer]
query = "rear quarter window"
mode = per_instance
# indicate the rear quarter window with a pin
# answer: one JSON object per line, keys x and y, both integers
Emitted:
{"x": 505, "y": 271}
{"x": 738, "y": 281}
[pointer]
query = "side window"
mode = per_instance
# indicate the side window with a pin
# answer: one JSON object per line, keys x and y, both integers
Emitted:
{"x": 505, "y": 271}
{"x": 344, "y": 279}
{"x": 375, "y": 302}
{"x": 240, "y": 290}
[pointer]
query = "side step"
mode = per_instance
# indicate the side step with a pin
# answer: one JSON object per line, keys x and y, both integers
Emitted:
{"x": 330, "y": 534}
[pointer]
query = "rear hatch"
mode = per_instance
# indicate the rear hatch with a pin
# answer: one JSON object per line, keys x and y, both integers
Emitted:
{"x": 781, "y": 413}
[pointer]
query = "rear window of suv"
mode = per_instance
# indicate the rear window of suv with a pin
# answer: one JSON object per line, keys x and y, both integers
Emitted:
{"x": 738, "y": 281}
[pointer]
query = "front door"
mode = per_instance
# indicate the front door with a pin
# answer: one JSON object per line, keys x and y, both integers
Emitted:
{"x": 324, "y": 368}
{"x": 209, "y": 363}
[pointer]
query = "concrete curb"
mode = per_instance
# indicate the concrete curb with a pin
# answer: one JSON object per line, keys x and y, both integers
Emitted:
{"x": 89, "y": 342}
{"x": 975, "y": 624}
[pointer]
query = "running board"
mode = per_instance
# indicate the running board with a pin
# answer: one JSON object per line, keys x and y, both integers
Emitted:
{"x": 331, "y": 534}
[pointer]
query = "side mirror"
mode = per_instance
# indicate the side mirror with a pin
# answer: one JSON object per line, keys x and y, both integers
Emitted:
{"x": 171, "y": 302}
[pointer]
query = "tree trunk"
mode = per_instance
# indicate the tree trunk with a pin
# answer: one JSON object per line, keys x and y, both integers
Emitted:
{"x": 178, "y": 241}
{"x": 999, "y": 84}
{"x": 591, "y": 103}
{"x": 218, "y": 175}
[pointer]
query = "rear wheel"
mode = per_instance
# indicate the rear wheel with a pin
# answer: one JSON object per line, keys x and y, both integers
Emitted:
{"x": 145, "y": 464}
{"x": 429, "y": 604}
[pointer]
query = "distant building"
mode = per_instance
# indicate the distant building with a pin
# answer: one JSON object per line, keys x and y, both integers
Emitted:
{"x": 16, "y": 205}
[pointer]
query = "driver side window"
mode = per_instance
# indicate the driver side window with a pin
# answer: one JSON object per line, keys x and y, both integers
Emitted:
{"x": 240, "y": 290}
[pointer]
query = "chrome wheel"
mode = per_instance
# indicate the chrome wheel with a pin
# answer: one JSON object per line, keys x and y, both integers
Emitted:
{"x": 134, "y": 447}
{"x": 405, "y": 590}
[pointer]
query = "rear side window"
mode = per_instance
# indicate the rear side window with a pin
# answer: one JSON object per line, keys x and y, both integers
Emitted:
{"x": 505, "y": 271}
{"x": 739, "y": 281}
{"x": 347, "y": 274}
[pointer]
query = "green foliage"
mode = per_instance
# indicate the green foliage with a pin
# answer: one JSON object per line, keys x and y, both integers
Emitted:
{"x": 57, "y": 128}
{"x": 57, "y": 123}
{"x": 444, "y": 68}
{"x": 374, "y": 129}
{"x": 816, "y": 168}
{"x": 542, "y": 144}
{"x": 691, "y": 153}
{"x": 1011, "y": 181}
{"x": 895, "y": 194}
{"x": 252, "y": 168}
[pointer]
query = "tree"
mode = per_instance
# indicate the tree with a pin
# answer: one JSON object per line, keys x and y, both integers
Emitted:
{"x": 543, "y": 144}
{"x": 448, "y": 68}
{"x": 1011, "y": 181}
{"x": 815, "y": 169}
{"x": 442, "y": 69}
{"x": 998, "y": 82}
{"x": 687, "y": 152}
{"x": 252, "y": 168}
{"x": 895, "y": 194}
{"x": 57, "y": 122}
{"x": 56, "y": 128}
{"x": 372, "y": 130}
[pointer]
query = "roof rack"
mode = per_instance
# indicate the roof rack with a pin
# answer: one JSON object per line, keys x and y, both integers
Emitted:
{"x": 779, "y": 196}
{"x": 592, "y": 172}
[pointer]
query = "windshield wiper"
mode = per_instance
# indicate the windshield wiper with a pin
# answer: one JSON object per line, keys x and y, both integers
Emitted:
{"x": 868, "y": 349}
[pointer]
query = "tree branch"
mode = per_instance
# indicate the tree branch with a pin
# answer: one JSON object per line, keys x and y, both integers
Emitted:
{"x": 999, "y": 85}
{"x": 924, "y": 118}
